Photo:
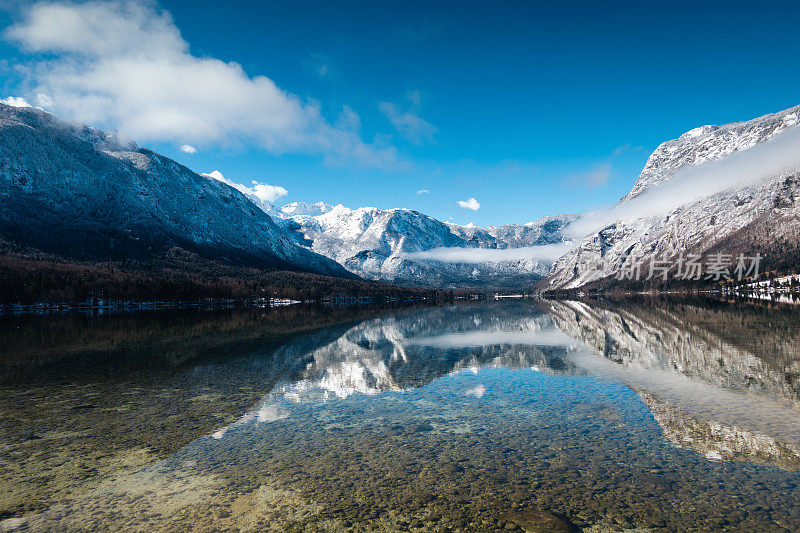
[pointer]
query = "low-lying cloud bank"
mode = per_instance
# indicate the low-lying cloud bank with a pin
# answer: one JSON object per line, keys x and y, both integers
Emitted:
{"x": 744, "y": 168}
{"x": 544, "y": 337}
{"x": 739, "y": 169}
{"x": 548, "y": 252}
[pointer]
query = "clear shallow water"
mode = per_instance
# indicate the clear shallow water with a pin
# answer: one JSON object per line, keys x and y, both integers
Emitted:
{"x": 547, "y": 416}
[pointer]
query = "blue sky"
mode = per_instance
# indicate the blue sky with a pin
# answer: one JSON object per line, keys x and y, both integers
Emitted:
{"x": 530, "y": 108}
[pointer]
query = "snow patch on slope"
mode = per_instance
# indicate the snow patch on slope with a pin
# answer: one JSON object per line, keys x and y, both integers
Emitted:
{"x": 405, "y": 246}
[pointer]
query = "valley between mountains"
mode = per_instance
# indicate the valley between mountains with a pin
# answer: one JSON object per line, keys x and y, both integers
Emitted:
{"x": 85, "y": 214}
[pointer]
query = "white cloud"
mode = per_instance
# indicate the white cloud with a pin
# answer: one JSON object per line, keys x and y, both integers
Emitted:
{"x": 592, "y": 179}
{"x": 44, "y": 100}
{"x": 423, "y": 191}
{"x": 477, "y": 391}
{"x": 742, "y": 168}
{"x": 126, "y": 66}
{"x": 408, "y": 123}
{"x": 547, "y": 252}
{"x": 15, "y": 101}
{"x": 261, "y": 191}
{"x": 268, "y": 193}
{"x": 188, "y": 149}
{"x": 471, "y": 203}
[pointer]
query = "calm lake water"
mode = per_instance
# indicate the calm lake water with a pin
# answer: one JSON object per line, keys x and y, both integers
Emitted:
{"x": 537, "y": 416}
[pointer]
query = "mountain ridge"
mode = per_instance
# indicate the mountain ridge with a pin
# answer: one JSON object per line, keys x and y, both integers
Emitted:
{"x": 79, "y": 192}
{"x": 760, "y": 216}
{"x": 379, "y": 244}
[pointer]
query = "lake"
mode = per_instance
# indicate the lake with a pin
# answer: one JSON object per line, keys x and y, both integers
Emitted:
{"x": 648, "y": 415}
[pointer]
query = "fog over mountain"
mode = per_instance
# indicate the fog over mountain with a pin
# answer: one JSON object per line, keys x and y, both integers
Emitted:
{"x": 731, "y": 189}
{"x": 408, "y": 247}
{"x": 715, "y": 188}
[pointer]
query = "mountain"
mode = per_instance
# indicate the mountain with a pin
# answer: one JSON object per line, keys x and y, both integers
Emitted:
{"x": 738, "y": 377}
{"x": 81, "y": 193}
{"x": 713, "y": 377}
{"x": 374, "y": 243}
{"x": 758, "y": 214}
{"x": 402, "y": 351}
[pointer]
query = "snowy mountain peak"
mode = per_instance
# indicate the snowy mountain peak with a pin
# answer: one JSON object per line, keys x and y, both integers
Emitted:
{"x": 80, "y": 192}
{"x": 749, "y": 204}
{"x": 701, "y": 130}
{"x": 34, "y": 117}
{"x": 305, "y": 209}
{"x": 708, "y": 143}
{"x": 374, "y": 244}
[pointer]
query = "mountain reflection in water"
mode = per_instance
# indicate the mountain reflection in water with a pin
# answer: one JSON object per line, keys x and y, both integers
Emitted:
{"x": 662, "y": 415}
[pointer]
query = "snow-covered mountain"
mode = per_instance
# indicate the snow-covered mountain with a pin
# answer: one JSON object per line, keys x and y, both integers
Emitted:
{"x": 739, "y": 401}
{"x": 728, "y": 396}
{"x": 82, "y": 193}
{"x": 759, "y": 213}
{"x": 374, "y": 244}
{"x": 404, "y": 351}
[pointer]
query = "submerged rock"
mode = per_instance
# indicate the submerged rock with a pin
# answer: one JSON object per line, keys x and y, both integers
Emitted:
{"x": 542, "y": 522}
